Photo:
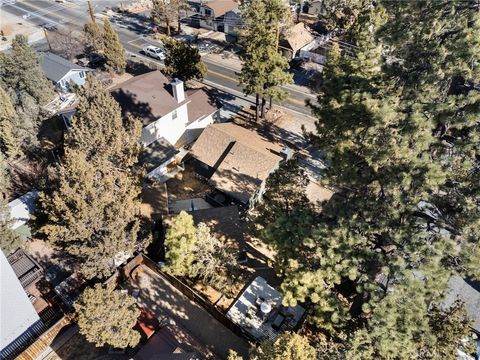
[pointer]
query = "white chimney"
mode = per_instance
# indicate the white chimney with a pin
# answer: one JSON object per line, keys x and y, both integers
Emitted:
{"x": 178, "y": 91}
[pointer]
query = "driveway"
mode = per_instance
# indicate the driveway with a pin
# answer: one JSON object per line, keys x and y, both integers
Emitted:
{"x": 163, "y": 299}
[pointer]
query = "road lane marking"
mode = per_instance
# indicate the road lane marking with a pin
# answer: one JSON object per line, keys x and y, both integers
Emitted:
{"x": 27, "y": 11}
{"x": 53, "y": 13}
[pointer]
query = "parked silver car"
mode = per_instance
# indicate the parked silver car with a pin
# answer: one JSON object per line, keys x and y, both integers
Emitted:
{"x": 154, "y": 52}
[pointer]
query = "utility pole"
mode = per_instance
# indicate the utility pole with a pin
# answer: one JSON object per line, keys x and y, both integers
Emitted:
{"x": 90, "y": 11}
{"x": 48, "y": 40}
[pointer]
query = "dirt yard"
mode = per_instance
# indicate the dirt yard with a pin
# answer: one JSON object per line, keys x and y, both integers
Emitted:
{"x": 187, "y": 186}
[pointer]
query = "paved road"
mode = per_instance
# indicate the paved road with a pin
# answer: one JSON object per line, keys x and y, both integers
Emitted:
{"x": 133, "y": 33}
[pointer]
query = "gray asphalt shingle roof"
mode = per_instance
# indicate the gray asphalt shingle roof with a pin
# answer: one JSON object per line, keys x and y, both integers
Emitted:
{"x": 157, "y": 153}
{"x": 56, "y": 67}
{"x": 468, "y": 292}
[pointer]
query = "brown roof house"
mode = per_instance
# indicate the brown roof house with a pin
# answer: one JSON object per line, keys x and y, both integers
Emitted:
{"x": 294, "y": 39}
{"x": 171, "y": 116}
{"x": 236, "y": 160}
{"x": 212, "y": 14}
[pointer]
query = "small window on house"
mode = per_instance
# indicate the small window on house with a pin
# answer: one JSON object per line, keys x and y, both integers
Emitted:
{"x": 174, "y": 114}
{"x": 208, "y": 12}
{"x": 82, "y": 74}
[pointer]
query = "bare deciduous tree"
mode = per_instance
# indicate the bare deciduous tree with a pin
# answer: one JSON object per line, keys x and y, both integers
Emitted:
{"x": 67, "y": 42}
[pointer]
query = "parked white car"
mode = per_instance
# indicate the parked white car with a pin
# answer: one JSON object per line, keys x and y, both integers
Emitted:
{"x": 154, "y": 52}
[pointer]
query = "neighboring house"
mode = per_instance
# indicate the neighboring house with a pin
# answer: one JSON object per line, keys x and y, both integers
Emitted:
{"x": 212, "y": 14}
{"x": 295, "y": 38}
{"x": 236, "y": 160}
{"x": 316, "y": 8}
{"x": 17, "y": 313}
{"x": 468, "y": 292}
{"x": 232, "y": 21}
{"x": 171, "y": 117}
{"x": 21, "y": 210}
{"x": 62, "y": 72}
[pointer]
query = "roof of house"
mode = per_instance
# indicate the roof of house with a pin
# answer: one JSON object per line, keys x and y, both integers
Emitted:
{"x": 16, "y": 310}
{"x": 200, "y": 105}
{"x": 146, "y": 324}
{"x": 22, "y": 208}
{"x": 225, "y": 221}
{"x": 296, "y": 37}
{"x": 56, "y": 67}
{"x": 243, "y": 159}
{"x": 467, "y": 291}
{"x": 220, "y": 7}
{"x": 156, "y": 153}
{"x": 169, "y": 343}
{"x": 25, "y": 268}
{"x": 149, "y": 97}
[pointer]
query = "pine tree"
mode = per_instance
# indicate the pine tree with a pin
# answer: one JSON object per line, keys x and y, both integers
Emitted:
{"x": 264, "y": 69}
{"x": 112, "y": 49}
{"x": 91, "y": 206}
{"x": 180, "y": 241}
{"x": 288, "y": 346}
{"x": 396, "y": 121}
{"x": 184, "y": 61}
{"x": 20, "y": 70}
{"x": 29, "y": 116}
{"x": 8, "y": 142}
{"x": 92, "y": 213}
{"x": 106, "y": 317}
{"x": 115, "y": 139}
{"x": 93, "y": 38}
{"x": 341, "y": 15}
{"x": 406, "y": 325}
{"x": 9, "y": 239}
{"x": 213, "y": 261}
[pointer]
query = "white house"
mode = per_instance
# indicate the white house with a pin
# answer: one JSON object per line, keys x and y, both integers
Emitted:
{"x": 17, "y": 313}
{"x": 62, "y": 72}
{"x": 171, "y": 116}
{"x": 212, "y": 14}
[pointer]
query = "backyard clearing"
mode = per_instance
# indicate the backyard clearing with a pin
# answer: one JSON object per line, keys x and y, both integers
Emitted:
{"x": 164, "y": 300}
{"x": 188, "y": 186}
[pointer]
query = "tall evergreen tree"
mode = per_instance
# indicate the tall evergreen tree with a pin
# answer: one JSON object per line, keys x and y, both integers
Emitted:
{"x": 8, "y": 142}
{"x": 92, "y": 213}
{"x": 180, "y": 242}
{"x": 184, "y": 61}
{"x": 397, "y": 122}
{"x": 93, "y": 38}
{"x": 264, "y": 69}
{"x": 406, "y": 325}
{"x": 98, "y": 129}
{"x": 107, "y": 317}
{"x": 213, "y": 260}
{"x": 288, "y": 346}
{"x": 113, "y": 49}
{"x": 91, "y": 207}
{"x": 9, "y": 239}
{"x": 20, "y": 70}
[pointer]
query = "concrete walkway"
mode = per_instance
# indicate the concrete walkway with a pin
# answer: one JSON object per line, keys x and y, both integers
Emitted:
{"x": 162, "y": 298}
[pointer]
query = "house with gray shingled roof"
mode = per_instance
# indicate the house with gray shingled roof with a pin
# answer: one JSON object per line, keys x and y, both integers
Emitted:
{"x": 62, "y": 72}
